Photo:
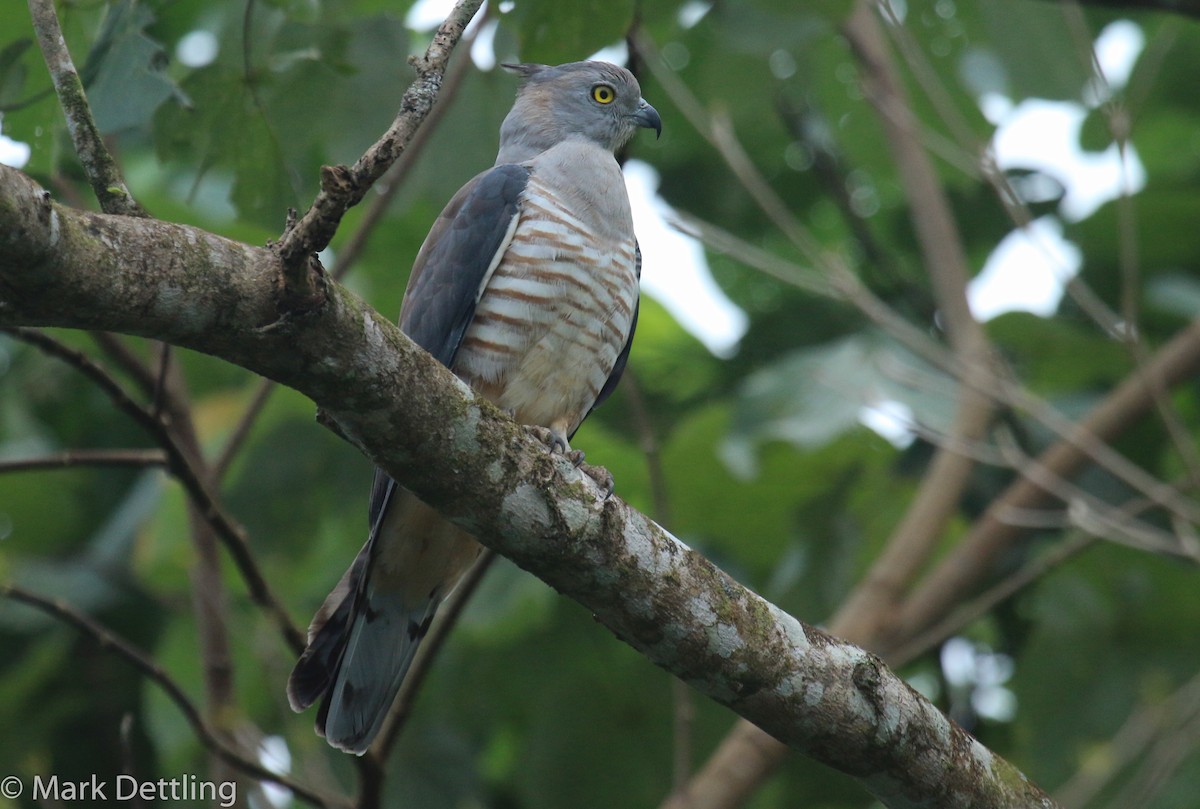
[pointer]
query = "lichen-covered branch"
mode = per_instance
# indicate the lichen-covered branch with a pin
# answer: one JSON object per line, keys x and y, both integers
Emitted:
{"x": 343, "y": 187}
{"x": 821, "y": 696}
{"x": 99, "y": 166}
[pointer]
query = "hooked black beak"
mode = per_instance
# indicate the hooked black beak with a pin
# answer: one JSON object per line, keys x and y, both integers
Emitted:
{"x": 646, "y": 116}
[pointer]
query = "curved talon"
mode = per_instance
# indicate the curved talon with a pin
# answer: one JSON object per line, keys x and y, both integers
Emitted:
{"x": 602, "y": 476}
{"x": 557, "y": 442}
{"x": 554, "y": 440}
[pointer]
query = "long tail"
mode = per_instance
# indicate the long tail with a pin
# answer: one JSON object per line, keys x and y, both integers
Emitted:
{"x": 364, "y": 637}
{"x": 356, "y": 660}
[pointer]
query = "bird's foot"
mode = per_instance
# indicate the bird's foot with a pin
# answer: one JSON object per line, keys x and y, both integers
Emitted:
{"x": 557, "y": 442}
{"x": 601, "y": 476}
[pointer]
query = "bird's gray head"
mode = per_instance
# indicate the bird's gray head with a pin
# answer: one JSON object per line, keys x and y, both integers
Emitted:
{"x": 595, "y": 101}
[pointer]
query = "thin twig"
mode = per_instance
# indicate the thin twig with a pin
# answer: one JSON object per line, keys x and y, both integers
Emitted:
{"x": 395, "y": 177}
{"x": 974, "y": 558}
{"x": 885, "y": 272}
{"x": 1089, "y": 512}
{"x": 343, "y": 187}
{"x": 119, "y": 352}
{"x": 912, "y": 542}
{"x": 152, "y": 671}
{"x": 930, "y": 81}
{"x": 164, "y": 386}
{"x": 1119, "y": 119}
{"x": 231, "y": 534}
{"x": 1079, "y": 442}
{"x": 87, "y": 457}
{"x": 350, "y": 253}
{"x": 979, "y": 161}
{"x": 743, "y": 750}
{"x": 1135, "y": 738}
{"x": 159, "y": 395}
{"x": 101, "y": 169}
{"x": 971, "y": 611}
{"x": 258, "y": 402}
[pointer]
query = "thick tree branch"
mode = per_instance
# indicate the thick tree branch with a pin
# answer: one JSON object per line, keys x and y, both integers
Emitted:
{"x": 822, "y": 697}
{"x": 746, "y": 757}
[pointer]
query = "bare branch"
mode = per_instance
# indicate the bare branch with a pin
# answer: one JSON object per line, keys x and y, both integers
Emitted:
{"x": 746, "y": 756}
{"x": 87, "y": 457}
{"x": 991, "y": 536}
{"x": 155, "y": 673}
{"x": 101, "y": 170}
{"x": 394, "y": 179}
{"x": 263, "y": 388}
{"x": 119, "y": 352}
{"x": 969, "y": 612}
{"x": 911, "y": 544}
{"x": 1080, "y": 443}
{"x": 228, "y": 531}
{"x": 970, "y": 564}
{"x": 343, "y": 187}
{"x": 349, "y": 254}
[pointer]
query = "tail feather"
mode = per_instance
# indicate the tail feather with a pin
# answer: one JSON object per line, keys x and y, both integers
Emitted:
{"x": 364, "y": 637}
{"x": 327, "y": 636}
{"x": 379, "y": 650}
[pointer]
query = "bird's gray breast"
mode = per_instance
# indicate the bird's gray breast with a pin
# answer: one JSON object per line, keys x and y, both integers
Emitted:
{"x": 559, "y": 307}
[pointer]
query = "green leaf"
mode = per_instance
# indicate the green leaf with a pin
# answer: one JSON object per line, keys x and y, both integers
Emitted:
{"x": 552, "y": 32}
{"x": 1056, "y": 356}
{"x": 1175, "y": 292}
{"x": 13, "y": 71}
{"x": 126, "y": 71}
{"x": 1035, "y": 43}
{"x": 813, "y": 395}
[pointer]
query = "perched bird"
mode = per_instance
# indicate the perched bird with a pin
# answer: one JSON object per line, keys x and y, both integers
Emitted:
{"x": 527, "y": 288}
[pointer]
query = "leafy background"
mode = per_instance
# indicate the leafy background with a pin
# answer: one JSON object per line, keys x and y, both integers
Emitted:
{"x": 765, "y": 464}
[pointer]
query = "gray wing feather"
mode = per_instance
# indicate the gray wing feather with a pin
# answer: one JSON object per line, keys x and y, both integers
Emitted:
{"x": 463, "y": 246}
{"x": 455, "y": 259}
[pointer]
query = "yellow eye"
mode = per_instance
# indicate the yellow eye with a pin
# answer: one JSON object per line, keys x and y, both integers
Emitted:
{"x": 603, "y": 93}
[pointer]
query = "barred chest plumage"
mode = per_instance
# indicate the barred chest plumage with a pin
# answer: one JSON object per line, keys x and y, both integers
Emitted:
{"x": 558, "y": 309}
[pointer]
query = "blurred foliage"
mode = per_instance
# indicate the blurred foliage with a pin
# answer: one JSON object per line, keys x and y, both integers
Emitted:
{"x": 768, "y": 468}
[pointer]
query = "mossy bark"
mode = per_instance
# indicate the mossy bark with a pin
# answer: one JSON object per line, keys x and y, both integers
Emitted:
{"x": 821, "y": 696}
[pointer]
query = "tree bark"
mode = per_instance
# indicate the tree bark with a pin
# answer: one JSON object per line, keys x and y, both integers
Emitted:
{"x": 822, "y": 697}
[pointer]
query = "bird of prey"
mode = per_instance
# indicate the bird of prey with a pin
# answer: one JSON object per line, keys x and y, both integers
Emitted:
{"x": 527, "y": 288}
